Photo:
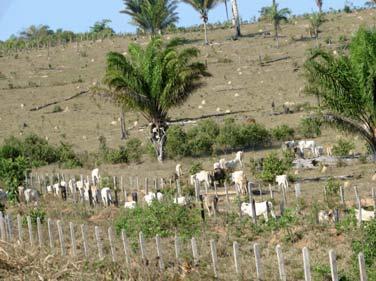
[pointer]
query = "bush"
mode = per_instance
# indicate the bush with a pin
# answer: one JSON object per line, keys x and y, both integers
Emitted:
{"x": 38, "y": 151}
{"x": 254, "y": 136}
{"x": 163, "y": 218}
{"x": 176, "y": 145}
{"x": 274, "y": 166}
{"x": 67, "y": 157}
{"x": 347, "y": 9}
{"x": 134, "y": 150}
{"x": 201, "y": 139}
{"x": 332, "y": 188}
{"x": 343, "y": 147}
{"x": 117, "y": 156}
{"x": 34, "y": 214}
{"x": 283, "y": 133}
{"x": 195, "y": 168}
{"x": 57, "y": 109}
{"x": 310, "y": 127}
{"x": 229, "y": 135}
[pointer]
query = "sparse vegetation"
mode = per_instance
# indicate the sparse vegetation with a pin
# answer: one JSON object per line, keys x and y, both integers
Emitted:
{"x": 343, "y": 147}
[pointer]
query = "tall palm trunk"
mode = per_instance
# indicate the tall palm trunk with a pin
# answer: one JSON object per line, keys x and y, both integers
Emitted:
{"x": 158, "y": 139}
{"x": 276, "y": 34}
{"x": 226, "y": 10}
{"x": 235, "y": 18}
{"x": 205, "y": 30}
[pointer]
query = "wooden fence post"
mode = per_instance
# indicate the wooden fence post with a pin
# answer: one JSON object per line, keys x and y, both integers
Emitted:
{"x": 61, "y": 237}
{"x": 73, "y": 240}
{"x": 177, "y": 248}
{"x": 39, "y": 231}
{"x": 10, "y": 226}
{"x": 298, "y": 191}
{"x": 125, "y": 246}
{"x": 271, "y": 192}
{"x": 159, "y": 252}
{"x": 333, "y": 265}
{"x": 110, "y": 238}
{"x": 213, "y": 251}
{"x": 50, "y": 237}
{"x": 359, "y": 205}
{"x": 236, "y": 257}
{"x": 342, "y": 195}
{"x": 30, "y": 228}
{"x": 374, "y": 200}
{"x": 227, "y": 197}
{"x": 3, "y": 233}
{"x": 256, "y": 250}
{"x": 142, "y": 246}
{"x": 281, "y": 262}
{"x": 84, "y": 240}
{"x": 19, "y": 227}
{"x": 197, "y": 190}
{"x": 99, "y": 242}
{"x": 362, "y": 267}
{"x": 194, "y": 251}
{"x": 306, "y": 263}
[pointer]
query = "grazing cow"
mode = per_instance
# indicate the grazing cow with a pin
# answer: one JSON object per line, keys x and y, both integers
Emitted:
{"x": 366, "y": 215}
{"x": 153, "y": 196}
{"x": 325, "y": 216}
{"x": 178, "y": 171}
{"x": 307, "y": 144}
{"x": 203, "y": 176}
{"x": 95, "y": 176}
{"x": 239, "y": 179}
{"x": 219, "y": 176}
{"x": 329, "y": 150}
{"x": 282, "y": 181}
{"x": 211, "y": 204}
{"x": 182, "y": 201}
{"x": 106, "y": 196}
{"x": 31, "y": 195}
{"x": 262, "y": 208}
{"x": 130, "y": 205}
{"x": 319, "y": 151}
{"x": 232, "y": 164}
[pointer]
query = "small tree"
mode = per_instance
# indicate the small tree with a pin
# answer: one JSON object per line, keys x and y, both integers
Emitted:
{"x": 276, "y": 17}
{"x": 153, "y": 80}
{"x": 203, "y": 7}
{"x": 102, "y": 27}
{"x": 315, "y": 21}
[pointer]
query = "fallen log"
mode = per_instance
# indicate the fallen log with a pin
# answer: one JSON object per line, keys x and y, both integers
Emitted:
{"x": 325, "y": 178}
{"x": 274, "y": 60}
{"x": 39, "y": 107}
{"x": 190, "y": 119}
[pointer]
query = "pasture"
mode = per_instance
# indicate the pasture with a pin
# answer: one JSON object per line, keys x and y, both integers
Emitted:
{"x": 71, "y": 239}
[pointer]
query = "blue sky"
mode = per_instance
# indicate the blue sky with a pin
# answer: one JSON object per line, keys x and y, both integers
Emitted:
{"x": 79, "y": 15}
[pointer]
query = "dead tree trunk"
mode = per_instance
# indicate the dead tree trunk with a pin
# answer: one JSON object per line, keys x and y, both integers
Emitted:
{"x": 123, "y": 129}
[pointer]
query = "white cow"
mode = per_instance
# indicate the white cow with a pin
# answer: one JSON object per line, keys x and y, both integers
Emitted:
{"x": 182, "y": 201}
{"x": 261, "y": 209}
{"x": 152, "y": 196}
{"x": 307, "y": 144}
{"x": 232, "y": 164}
{"x": 282, "y": 181}
{"x": 130, "y": 205}
{"x": 95, "y": 175}
{"x": 31, "y": 195}
{"x": 325, "y": 216}
{"x": 240, "y": 180}
{"x": 106, "y": 196}
{"x": 203, "y": 176}
{"x": 366, "y": 215}
{"x": 178, "y": 171}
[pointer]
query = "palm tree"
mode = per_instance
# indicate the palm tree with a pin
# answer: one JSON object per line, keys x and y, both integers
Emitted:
{"x": 225, "y": 2}
{"x": 151, "y": 16}
{"x": 315, "y": 21}
{"x": 153, "y": 80}
{"x": 203, "y": 7}
{"x": 346, "y": 85}
{"x": 319, "y": 5}
{"x": 235, "y": 18}
{"x": 275, "y": 16}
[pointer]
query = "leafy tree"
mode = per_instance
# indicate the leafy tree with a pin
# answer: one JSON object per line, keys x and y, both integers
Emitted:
{"x": 275, "y": 16}
{"x": 346, "y": 85}
{"x": 153, "y": 80}
{"x": 36, "y": 32}
{"x": 152, "y": 16}
{"x": 203, "y": 7}
{"x": 102, "y": 27}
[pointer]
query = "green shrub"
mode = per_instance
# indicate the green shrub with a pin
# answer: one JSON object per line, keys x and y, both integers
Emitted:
{"x": 254, "y": 136}
{"x": 117, "y": 156}
{"x": 274, "y": 166}
{"x": 38, "y": 151}
{"x": 283, "y": 133}
{"x": 163, "y": 218}
{"x": 347, "y": 9}
{"x": 67, "y": 157}
{"x": 177, "y": 144}
{"x": 34, "y": 214}
{"x": 229, "y": 135}
{"x": 201, "y": 139}
{"x": 134, "y": 150}
{"x": 366, "y": 243}
{"x": 57, "y": 109}
{"x": 310, "y": 127}
{"x": 332, "y": 188}
{"x": 195, "y": 168}
{"x": 343, "y": 147}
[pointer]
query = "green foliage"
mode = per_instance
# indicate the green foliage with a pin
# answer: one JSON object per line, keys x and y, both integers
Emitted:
{"x": 117, "y": 156}
{"x": 283, "y": 133}
{"x": 195, "y": 168}
{"x": 274, "y": 166}
{"x": 68, "y": 159}
{"x": 332, "y": 188}
{"x": 57, "y": 109}
{"x": 134, "y": 150}
{"x": 34, "y": 214}
{"x": 152, "y": 16}
{"x": 201, "y": 139}
{"x": 347, "y": 9}
{"x": 163, "y": 218}
{"x": 102, "y": 27}
{"x": 367, "y": 244}
{"x": 345, "y": 85}
{"x": 315, "y": 22}
{"x": 12, "y": 174}
{"x": 343, "y": 147}
{"x": 177, "y": 143}
{"x": 310, "y": 127}
{"x": 229, "y": 134}
{"x": 253, "y": 136}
